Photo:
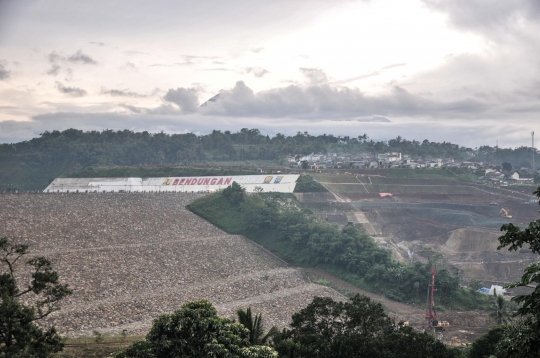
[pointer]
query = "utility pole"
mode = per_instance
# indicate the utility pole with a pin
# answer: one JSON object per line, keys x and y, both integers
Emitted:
{"x": 533, "y": 166}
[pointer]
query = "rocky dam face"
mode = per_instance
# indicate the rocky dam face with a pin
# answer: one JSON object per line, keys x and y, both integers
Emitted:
{"x": 131, "y": 257}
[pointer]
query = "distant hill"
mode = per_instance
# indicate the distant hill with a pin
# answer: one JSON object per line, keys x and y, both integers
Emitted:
{"x": 33, "y": 164}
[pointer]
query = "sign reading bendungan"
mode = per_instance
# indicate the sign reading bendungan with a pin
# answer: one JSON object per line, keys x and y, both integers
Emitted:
{"x": 197, "y": 181}
{"x": 255, "y": 179}
{"x": 283, "y": 183}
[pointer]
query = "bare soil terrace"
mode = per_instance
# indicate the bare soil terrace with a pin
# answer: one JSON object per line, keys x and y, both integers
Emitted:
{"x": 130, "y": 257}
{"x": 459, "y": 219}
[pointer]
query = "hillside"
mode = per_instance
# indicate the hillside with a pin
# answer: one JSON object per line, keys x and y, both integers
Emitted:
{"x": 33, "y": 164}
{"x": 451, "y": 216}
{"x": 129, "y": 258}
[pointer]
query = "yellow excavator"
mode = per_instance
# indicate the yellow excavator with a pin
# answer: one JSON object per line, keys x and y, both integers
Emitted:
{"x": 504, "y": 213}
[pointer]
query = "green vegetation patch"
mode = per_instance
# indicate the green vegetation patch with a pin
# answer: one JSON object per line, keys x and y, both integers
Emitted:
{"x": 149, "y": 172}
{"x": 431, "y": 173}
{"x": 291, "y": 232}
{"x": 220, "y": 212}
{"x": 307, "y": 184}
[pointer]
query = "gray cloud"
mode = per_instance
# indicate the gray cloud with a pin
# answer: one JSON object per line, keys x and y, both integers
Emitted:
{"x": 257, "y": 50}
{"x": 133, "y": 52}
{"x": 256, "y": 71}
{"x": 80, "y": 57}
{"x": 122, "y": 93}
{"x": 4, "y": 74}
{"x": 322, "y": 101}
{"x": 368, "y": 75}
{"x": 185, "y": 98}
{"x": 185, "y": 63}
{"x": 129, "y": 65}
{"x": 70, "y": 91}
{"x": 393, "y": 65}
{"x": 216, "y": 69}
{"x": 97, "y": 43}
{"x": 355, "y": 78}
{"x": 196, "y": 58}
{"x": 132, "y": 109}
{"x": 54, "y": 57}
{"x": 54, "y": 70}
{"x": 315, "y": 76}
{"x": 188, "y": 60}
{"x": 486, "y": 15}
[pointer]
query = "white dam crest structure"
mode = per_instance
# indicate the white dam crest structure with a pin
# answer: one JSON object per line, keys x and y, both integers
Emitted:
{"x": 252, "y": 183}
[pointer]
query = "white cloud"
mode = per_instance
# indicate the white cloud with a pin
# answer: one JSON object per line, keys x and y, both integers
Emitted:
{"x": 185, "y": 98}
{"x": 256, "y": 71}
{"x": 314, "y": 76}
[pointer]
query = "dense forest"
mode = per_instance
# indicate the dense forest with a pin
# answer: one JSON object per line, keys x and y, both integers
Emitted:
{"x": 34, "y": 163}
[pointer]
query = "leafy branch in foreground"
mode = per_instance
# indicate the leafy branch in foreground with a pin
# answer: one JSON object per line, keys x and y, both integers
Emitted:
{"x": 19, "y": 335}
{"x": 254, "y": 325}
{"x": 521, "y": 339}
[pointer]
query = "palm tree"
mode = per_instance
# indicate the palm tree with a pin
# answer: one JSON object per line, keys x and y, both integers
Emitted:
{"x": 255, "y": 327}
{"x": 500, "y": 311}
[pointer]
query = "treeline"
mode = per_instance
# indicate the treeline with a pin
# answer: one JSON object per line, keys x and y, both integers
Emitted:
{"x": 34, "y": 163}
{"x": 520, "y": 157}
{"x": 129, "y": 148}
{"x": 291, "y": 232}
{"x": 324, "y": 329}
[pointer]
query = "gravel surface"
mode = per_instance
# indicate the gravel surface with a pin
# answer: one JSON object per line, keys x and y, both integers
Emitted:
{"x": 131, "y": 257}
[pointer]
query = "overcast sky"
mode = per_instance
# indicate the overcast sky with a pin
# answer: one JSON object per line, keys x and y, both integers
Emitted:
{"x": 465, "y": 71}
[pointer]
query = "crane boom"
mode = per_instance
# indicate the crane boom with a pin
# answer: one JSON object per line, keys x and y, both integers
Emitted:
{"x": 431, "y": 316}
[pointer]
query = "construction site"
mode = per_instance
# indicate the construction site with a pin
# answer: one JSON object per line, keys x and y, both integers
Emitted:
{"x": 132, "y": 256}
{"x": 416, "y": 218}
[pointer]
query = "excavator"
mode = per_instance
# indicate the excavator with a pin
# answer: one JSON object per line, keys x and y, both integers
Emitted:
{"x": 504, "y": 213}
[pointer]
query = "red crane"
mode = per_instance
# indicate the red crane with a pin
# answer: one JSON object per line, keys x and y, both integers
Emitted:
{"x": 431, "y": 316}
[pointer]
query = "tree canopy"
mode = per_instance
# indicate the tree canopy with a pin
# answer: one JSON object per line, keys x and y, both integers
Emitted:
{"x": 19, "y": 335}
{"x": 32, "y": 164}
{"x": 196, "y": 331}
{"x": 355, "y": 328}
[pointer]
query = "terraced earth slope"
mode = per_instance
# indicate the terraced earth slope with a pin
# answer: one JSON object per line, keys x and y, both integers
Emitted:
{"x": 459, "y": 219}
{"x": 131, "y": 257}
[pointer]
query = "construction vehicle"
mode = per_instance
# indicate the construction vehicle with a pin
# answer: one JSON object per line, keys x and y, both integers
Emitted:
{"x": 431, "y": 316}
{"x": 504, "y": 213}
{"x": 461, "y": 342}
